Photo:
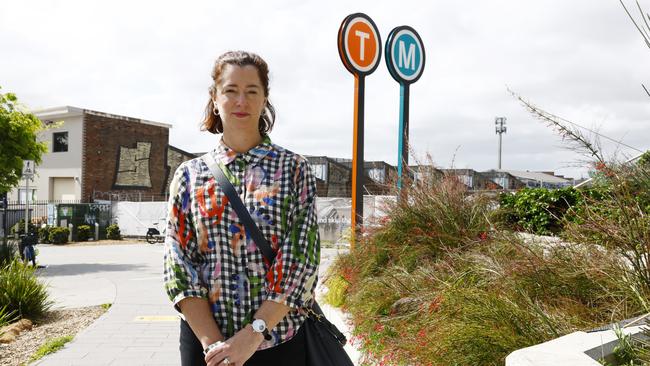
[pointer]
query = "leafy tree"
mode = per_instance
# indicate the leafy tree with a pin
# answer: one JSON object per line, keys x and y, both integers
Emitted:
{"x": 18, "y": 130}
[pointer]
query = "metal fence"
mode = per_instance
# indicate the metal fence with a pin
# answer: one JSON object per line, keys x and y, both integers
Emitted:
{"x": 40, "y": 212}
{"x": 128, "y": 196}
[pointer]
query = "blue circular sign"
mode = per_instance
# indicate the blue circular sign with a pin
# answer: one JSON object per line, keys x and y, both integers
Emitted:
{"x": 405, "y": 54}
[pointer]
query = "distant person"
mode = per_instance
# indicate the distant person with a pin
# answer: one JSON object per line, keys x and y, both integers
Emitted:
{"x": 214, "y": 273}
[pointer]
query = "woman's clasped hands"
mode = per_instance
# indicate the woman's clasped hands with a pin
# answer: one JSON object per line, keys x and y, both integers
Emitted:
{"x": 236, "y": 350}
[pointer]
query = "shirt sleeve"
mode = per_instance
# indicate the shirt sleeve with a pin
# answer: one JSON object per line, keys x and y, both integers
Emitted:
{"x": 182, "y": 259}
{"x": 293, "y": 276}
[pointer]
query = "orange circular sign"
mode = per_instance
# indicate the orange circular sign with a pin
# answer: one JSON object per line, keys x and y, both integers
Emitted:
{"x": 359, "y": 44}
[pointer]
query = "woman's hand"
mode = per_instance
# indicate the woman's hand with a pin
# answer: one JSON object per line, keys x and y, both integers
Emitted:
{"x": 236, "y": 350}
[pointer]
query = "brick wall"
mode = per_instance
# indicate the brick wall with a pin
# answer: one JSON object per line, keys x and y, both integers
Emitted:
{"x": 175, "y": 157}
{"x": 121, "y": 154}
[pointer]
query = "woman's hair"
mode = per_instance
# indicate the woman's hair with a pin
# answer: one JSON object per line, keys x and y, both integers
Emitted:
{"x": 212, "y": 122}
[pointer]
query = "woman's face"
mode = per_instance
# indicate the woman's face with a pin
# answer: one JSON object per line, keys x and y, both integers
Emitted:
{"x": 240, "y": 99}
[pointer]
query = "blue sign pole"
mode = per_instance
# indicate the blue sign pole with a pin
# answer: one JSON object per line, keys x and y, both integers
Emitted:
{"x": 402, "y": 143}
{"x": 405, "y": 60}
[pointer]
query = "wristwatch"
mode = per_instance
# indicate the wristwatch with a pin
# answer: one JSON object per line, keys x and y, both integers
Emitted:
{"x": 259, "y": 326}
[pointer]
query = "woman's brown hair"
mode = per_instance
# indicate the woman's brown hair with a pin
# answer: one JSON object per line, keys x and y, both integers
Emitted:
{"x": 212, "y": 122}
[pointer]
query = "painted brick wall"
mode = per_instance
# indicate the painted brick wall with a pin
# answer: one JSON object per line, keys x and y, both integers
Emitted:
{"x": 121, "y": 154}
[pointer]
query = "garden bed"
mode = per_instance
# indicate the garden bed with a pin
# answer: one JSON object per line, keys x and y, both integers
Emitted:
{"x": 56, "y": 323}
{"x": 444, "y": 280}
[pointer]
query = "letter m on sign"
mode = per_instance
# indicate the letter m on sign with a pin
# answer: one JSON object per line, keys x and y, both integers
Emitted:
{"x": 406, "y": 60}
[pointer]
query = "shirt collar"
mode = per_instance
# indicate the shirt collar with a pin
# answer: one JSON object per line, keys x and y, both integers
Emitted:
{"x": 226, "y": 155}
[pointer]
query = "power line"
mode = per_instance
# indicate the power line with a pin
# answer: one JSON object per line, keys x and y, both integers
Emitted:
{"x": 547, "y": 114}
{"x": 551, "y": 116}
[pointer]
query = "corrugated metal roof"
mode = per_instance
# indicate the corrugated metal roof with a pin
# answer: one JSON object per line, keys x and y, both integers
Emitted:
{"x": 536, "y": 176}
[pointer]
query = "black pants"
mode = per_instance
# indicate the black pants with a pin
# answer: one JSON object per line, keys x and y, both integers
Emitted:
{"x": 290, "y": 353}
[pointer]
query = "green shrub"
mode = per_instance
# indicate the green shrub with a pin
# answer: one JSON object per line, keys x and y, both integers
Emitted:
{"x": 22, "y": 292}
{"x": 19, "y": 227}
{"x": 44, "y": 234}
{"x": 113, "y": 232}
{"x": 538, "y": 210}
{"x": 7, "y": 317}
{"x": 83, "y": 232}
{"x": 59, "y": 235}
{"x": 7, "y": 252}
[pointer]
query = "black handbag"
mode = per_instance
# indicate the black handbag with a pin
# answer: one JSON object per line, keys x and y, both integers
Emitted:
{"x": 324, "y": 342}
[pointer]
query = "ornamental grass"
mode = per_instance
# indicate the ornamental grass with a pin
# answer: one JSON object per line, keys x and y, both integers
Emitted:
{"x": 437, "y": 284}
{"x": 22, "y": 294}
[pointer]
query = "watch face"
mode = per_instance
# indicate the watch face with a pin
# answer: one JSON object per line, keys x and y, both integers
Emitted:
{"x": 259, "y": 325}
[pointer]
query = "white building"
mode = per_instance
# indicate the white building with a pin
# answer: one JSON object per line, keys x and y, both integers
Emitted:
{"x": 58, "y": 177}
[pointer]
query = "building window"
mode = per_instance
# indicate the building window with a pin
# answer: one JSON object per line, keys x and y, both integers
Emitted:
{"x": 60, "y": 142}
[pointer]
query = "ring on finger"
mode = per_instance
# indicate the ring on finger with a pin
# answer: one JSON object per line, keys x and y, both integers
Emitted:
{"x": 226, "y": 361}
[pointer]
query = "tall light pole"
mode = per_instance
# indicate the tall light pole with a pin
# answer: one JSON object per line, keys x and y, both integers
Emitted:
{"x": 500, "y": 123}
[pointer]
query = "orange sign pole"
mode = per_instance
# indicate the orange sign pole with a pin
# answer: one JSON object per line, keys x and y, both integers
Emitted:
{"x": 359, "y": 47}
{"x": 357, "y": 157}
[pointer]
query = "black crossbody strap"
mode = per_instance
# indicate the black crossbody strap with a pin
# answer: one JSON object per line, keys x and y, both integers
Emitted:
{"x": 238, "y": 206}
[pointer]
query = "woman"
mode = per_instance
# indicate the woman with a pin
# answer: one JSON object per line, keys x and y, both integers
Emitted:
{"x": 236, "y": 306}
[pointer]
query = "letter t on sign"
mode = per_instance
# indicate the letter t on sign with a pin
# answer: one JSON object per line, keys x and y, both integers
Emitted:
{"x": 362, "y": 38}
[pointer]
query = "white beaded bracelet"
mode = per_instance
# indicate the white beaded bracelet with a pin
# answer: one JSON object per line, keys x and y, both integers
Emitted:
{"x": 212, "y": 346}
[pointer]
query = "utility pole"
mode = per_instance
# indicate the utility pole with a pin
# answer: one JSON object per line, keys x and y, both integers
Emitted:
{"x": 28, "y": 173}
{"x": 500, "y": 123}
{"x": 26, "y": 205}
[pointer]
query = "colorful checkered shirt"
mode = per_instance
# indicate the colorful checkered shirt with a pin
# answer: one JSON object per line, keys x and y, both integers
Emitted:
{"x": 209, "y": 255}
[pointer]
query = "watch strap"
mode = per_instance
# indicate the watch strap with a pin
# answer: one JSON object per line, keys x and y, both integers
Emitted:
{"x": 267, "y": 335}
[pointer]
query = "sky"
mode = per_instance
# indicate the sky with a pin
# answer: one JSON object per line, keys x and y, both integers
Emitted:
{"x": 582, "y": 60}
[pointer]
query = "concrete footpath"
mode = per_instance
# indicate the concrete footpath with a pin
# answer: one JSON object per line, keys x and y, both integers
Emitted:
{"x": 141, "y": 327}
